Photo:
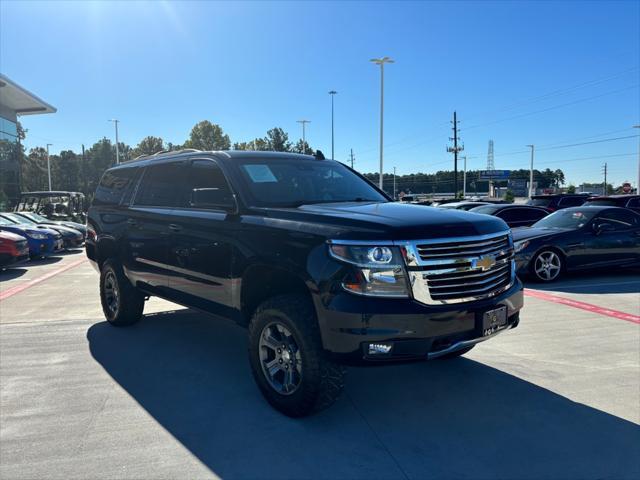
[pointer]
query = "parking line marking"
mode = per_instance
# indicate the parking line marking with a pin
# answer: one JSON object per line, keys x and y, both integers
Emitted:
{"x": 23, "y": 286}
{"x": 583, "y": 306}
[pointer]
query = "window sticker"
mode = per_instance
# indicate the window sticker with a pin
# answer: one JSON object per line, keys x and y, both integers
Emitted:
{"x": 260, "y": 173}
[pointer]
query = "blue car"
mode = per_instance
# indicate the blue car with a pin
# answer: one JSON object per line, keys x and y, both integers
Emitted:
{"x": 42, "y": 241}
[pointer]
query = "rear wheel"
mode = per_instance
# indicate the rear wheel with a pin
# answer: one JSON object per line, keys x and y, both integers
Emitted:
{"x": 122, "y": 303}
{"x": 546, "y": 265}
{"x": 287, "y": 360}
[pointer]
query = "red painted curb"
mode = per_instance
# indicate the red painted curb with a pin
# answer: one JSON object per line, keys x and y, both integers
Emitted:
{"x": 23, "y": 286}
{"x": 583, "y": 306}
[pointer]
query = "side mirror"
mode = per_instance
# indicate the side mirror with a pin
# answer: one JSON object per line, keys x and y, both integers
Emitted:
{"x": 216, "y": 198}
{"x": 603, "y": 227}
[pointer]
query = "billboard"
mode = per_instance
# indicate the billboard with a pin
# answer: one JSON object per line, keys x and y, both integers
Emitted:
{"x": 494, "y": 174}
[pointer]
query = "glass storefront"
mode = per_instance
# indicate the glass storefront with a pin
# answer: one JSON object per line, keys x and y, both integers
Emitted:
{"x": 9, "y": 163}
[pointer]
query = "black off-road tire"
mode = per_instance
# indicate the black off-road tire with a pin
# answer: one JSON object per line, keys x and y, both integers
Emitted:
{"x": 130, "y": 301}
{"x": 321, "y": 380}
{"x": 456, "y": 354}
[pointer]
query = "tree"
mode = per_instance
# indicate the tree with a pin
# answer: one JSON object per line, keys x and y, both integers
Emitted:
{"x": 303, "y": 147}
{"x": 259, "y": 144}
{"x": 148, "y": 146}
{"x": 208, "y": 136}
{"x": 509, "y": 196}
{"x": 278, "y": 140}
{"x": 34, "y": 170}
{"x": 571, "y": 189}
{"x": 65, "y": 171}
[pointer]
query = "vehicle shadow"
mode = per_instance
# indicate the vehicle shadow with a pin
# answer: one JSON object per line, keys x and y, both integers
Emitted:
{"x": 596, "y": 281}
{"x": 45, "y": 260}
{"x": 440, "y": 419}
{"x": 11, "y": 272}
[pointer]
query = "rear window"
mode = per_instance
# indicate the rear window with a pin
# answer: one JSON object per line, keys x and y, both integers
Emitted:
{"x": 114, "y": 185}
{"x": 486, "y": 209}
{"x": 540, "y": 202}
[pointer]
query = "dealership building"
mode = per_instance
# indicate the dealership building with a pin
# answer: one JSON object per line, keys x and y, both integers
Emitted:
{"x": 15, "y": 101}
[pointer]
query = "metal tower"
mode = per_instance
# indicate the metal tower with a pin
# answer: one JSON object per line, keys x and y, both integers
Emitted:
{"x": 490, "y": 164}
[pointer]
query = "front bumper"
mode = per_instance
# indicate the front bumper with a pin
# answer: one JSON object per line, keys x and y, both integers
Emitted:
{"x": 349, "y": 323}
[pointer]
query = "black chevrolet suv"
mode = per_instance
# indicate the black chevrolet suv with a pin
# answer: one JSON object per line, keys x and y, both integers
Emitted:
{"x": 320, "y": 265}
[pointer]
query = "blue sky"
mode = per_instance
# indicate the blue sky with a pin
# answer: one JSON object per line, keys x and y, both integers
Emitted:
{"x": 543, "y": 73}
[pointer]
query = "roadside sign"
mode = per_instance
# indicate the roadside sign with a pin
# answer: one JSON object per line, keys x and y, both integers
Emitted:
{"x": 494, "y": 174}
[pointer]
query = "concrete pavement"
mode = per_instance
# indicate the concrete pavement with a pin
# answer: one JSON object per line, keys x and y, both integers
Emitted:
{"x": 173, "y": 397}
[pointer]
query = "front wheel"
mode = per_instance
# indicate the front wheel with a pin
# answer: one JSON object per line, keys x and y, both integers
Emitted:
{"x": 546, "y": 266}
{"x": 287, "y": 360}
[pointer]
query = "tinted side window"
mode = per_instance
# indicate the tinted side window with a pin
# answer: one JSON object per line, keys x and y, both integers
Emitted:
{"x": 114, "y": 185}
{"x": 571, "y": 202}
{"x": 634, "y": 203}
{"x": 532, "y": 214}
{"x": 160, "y": 185}
{"x": 207, "y": 185}
{"x": 620, "y": 219}
{"x": 510, "y": 215}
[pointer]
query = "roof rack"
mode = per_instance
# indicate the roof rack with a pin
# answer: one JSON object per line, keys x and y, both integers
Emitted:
{"x": 164, "y": 152}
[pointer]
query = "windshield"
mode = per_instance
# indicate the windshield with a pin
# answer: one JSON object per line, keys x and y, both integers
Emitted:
{"x": 284, "y": 182}
{"x": 34, "y": 216}
{"x": 603, "y": 202}
{"x": 569, "y": 218}
{"x": 6, "y": 221}
{"x": 18, "y": 218}
{"x": 486, "y": 209}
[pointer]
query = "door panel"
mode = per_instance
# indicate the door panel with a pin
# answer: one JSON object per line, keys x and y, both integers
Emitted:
{"x": 202, "y": 240}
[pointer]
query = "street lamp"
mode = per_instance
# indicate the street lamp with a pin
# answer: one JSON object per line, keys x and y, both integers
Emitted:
{"x": 381, "y": 62}
{"x": 304, "y": 141}
{"x": 531, "y": 172}
{"x": 332, "y": 93}
{"x": 49, "y": 165}
{"x": 117, "y": 148}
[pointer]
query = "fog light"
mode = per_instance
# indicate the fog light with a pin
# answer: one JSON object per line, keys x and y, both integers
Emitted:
{"x": 380, "y": 348}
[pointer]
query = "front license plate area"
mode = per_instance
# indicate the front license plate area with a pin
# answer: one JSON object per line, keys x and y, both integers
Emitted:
{"x": 494, "y": 320}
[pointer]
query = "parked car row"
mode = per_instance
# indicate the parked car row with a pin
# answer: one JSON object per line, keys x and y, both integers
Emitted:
{"x": 551, "y": 235}
{"x": 27, "y": 235}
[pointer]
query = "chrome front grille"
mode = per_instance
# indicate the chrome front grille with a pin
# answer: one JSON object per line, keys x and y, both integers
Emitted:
{"x": 455, "y": 270}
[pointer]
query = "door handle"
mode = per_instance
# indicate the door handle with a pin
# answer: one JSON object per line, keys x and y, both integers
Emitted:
{"x": 174, "y": 228}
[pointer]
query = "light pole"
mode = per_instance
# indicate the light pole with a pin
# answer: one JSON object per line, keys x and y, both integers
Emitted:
{"x": 381, "y": 62}
{"x": 304, "y": 141}
{"x": 464, "y": 179}
{"x": 332, "y": 93}
{"x": 49, "y": 165}
{"x": 531, "y": 173}
{"x": 638, "y": 184}
{"x": 117, "y": 147}
{"x": 394, "y": 184}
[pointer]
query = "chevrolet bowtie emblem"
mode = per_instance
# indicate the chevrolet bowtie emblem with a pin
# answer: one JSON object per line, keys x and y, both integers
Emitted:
{"x": 484, "y": 263}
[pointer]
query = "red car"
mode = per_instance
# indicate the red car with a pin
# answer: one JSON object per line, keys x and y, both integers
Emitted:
{"x": 13, "y": 249}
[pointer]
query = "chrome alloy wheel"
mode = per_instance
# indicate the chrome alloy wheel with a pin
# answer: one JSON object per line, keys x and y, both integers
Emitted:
{"x": 547, "y": 265}
{"x": 111, "y": 292}
{"x": 280, "y": 358}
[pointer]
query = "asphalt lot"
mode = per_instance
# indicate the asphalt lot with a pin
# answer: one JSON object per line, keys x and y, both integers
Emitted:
{"x": 173, "y": 397}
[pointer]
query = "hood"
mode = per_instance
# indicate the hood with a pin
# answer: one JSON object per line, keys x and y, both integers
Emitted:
{"x": 391, "y": 220}
{"x": 65, "y": 231}
{"x": 527, "y": 233}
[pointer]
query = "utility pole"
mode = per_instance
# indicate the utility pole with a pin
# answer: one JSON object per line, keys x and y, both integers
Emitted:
{"x": 83, "y": 168}
{"x": 381, "y": 62}
{"x": 394, "y": 184}
{"x": 117, "y": 141}
{"x": 49, "y": 165}
{"x": 464, "y": 179}
{"x": 604, "y": 170}
{"x": 531, "y": 172}
{"x": 352, "y": 158}
{"x": 304, "y": 140}
{"x": 455, "y": 149}
{"x": 332, "y": 93}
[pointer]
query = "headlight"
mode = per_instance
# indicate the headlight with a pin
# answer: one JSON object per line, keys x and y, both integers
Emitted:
{"x": 378, "y": 270}
{"x": 519, "y": 246}
{"x": 37, "y": 235}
